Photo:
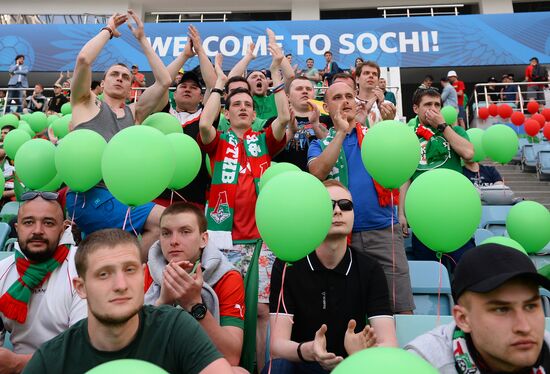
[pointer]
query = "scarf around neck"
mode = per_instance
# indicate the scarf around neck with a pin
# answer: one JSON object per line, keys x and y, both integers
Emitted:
{"x": 435, "y": 149}
{"x": 14, "y": 303}
{"x": 340, "y": 169}
{"x": 230, "y": 154}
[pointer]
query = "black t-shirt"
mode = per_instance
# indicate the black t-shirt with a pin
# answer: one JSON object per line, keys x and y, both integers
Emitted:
{"x": 167, "y": 337}
{"x": 486, "y": 176}
{"x": 355, "y": 289}
{"x": 295, "y": 150}
{"x": 57, "y": 102}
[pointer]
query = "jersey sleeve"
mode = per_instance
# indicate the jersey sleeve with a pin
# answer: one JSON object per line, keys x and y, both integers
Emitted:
{"x": 314, "y": 150}
{"x": 460, "y": 131}
{"x": 211, "y": 147}
{"x": 36, "y": 365}
{"x": 274, "y": 146}
{"x": 230, "y": 292}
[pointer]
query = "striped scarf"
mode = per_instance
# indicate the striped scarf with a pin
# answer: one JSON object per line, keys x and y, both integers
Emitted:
{"x": 14, "y": 303}
{"x": 231, "y": 153}
{"x": 340, "y": 169}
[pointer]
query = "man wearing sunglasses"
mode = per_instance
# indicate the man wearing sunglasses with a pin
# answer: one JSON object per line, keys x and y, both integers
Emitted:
{"x": 37, "y": 300}
{"x": 327, "y": 295}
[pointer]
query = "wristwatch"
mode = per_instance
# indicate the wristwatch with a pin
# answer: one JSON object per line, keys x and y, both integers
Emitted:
{"x": 441, "y": 127}
{"x": 198, "y": 311}
{"x": 217, "y": 90}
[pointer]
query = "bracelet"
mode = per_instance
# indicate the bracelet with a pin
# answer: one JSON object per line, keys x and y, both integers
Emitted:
{"x": 108, "y": 29}
{"x": 279, "y": 88}
{"x": 217, "y": 90}
{"x": 299, "y": 351}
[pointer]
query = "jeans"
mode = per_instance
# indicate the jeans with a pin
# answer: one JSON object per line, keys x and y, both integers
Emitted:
{"x": 282, "y": 366}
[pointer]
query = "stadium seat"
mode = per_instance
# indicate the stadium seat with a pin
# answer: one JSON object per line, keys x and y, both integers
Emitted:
{"x": 482, "y": 234}
{"x": 9, "y": 211}
{"x": 521, "y": 144}
{"x": 545, "y": 296}
{"x": 543, "y": 164}
{"x": 425, "y": 287}
{"x": 5, "y": 230}
{"x": 411, "y": 326}
{"x": 527, "y": 157}
{"x": 493, "y": 218}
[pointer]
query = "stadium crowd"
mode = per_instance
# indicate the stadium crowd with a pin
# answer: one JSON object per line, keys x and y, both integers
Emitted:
{"x": 177, "y": 296}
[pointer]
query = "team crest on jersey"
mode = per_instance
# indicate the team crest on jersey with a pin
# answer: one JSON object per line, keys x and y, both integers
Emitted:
{"x": 221, "y": 212}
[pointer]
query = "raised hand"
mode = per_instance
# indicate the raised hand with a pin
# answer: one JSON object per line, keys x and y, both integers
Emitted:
{"x": 362, "y": 112}
{"x": 138, "y": 30}
{"x": 327, "y": 360}
{"x": 354, "y": 342}
{"x": 379, "y": 95}
{"x": 182, "y": 287}
{"x": 339, "y": 119}
{"x": 115, "y": 21}
{"x": 275, "y": 50}
{"x": 195, "y": 37}
{"x": 250, "y": 51}
{"x": 222, "y": 78}
{"x": 387, "y": 110}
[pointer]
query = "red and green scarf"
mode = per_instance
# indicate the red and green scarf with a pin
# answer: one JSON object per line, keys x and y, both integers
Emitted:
{"x": 14, "y": 303}
{"x": 340, "y": 169}
{"x": 230, "y": 154}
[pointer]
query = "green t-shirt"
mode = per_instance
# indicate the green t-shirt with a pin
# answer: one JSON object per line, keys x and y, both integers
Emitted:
{"x": 167, "y": 337}
{"x": 265, "y": 106}
{"x": 451, "y": 160}
{"x": 257, "y": 125}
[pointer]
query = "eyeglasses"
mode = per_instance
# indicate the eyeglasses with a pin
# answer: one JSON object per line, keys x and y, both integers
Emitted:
{"x": 343, "y": 204}
{"x": 31, "y": 195}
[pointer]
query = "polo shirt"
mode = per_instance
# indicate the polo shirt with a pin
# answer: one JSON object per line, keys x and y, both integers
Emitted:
{"x": 355, "y": 289}
{"x": 369, "y": 215}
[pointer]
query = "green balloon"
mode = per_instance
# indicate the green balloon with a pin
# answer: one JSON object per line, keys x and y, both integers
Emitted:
{"x": 15, "y": 139}
{"x": 500, "y": 143}
{"x": 391, "y": 153}
{"x": 450, "y": 115}
{"x": 208, "y": 166}
{"x": 52, "y": 118}
{"x": 127, "y": 366}
{"x": 164, "y": 122}
{"x": 293, "y": 224}
{"x": 2, "y": 182}
{"x": 476, "y": 136}
{"x": 386, "y": 360}
{"x": 38, "y": 121}
{"x": 66, "y": 109}
{"x": 61, "y": 126}
{"x": 276, "y": 169}
{"x": 9, "y": 119}
{"x": 528, "y": 223}
{"x": 23, "y": 125}
{"x": 412, "y": 122}
{"x": 188, "y": 159}
{"x": 443, "y": 209}
{"x": 35, "y": 163}
{"x": 53, "y": 185}
{"x": 25, "y": 117}
{"x": 78, "y": 159}
{"x": 137, "y": 165}
{"x": 509, "y": 242}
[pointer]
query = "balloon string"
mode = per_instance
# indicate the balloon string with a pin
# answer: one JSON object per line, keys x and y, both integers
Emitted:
{"x": 181, "y": 197}
{"x": 281, "y": 299}
{"x": 74, "y": 208}
{"x": 126, "y": 218}
{"x": 171, "y": 197}
{"x": 84, "y": 202}
{"x": 131, "y": 225}
{"x": 393, "y": 250}
{"x": 451, "y": 258}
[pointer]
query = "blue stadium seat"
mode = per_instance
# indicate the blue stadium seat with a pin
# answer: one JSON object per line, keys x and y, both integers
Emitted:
{"x": 528, "y": 157}
{"x": 9, "y": 211}
{"x": 545, "y": 296}
{"x": 410, "y": 326}
{"x": 493, "y": 216}
{"x": 5, "y": 230}
{"x": 522, "y": 143}
{"x": 482, "y": 234}
{"x": 543, "y": 164}
{"x": 425, "y": 287}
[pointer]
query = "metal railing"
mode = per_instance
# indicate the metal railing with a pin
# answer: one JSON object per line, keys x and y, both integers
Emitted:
{"x": 521, "y": 98}
{"x": 431, "y": 10}
{"x": 190, "y": 16}
{"x": 85, "y": 18}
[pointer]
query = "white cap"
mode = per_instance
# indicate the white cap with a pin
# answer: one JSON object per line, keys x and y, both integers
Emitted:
{"x": 451, "y": 73}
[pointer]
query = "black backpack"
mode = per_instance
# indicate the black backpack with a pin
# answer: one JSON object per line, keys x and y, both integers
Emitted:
{"x": 539, "y": 73}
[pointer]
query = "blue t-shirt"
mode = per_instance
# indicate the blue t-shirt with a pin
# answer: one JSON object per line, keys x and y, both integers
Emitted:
{"x": 369, "y": 215}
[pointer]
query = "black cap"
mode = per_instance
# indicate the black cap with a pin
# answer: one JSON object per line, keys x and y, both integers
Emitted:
{"x": 190, "y": 76}
{"x": 486, "y": 267}
{"x": 491, "y": 79}
{"x": 135, "y": 66}
{"x": 534, "y": 58}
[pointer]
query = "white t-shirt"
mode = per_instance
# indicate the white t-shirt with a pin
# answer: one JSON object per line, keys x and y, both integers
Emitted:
{"x": 53, "y": 308}
{"x": 186, "y": 118}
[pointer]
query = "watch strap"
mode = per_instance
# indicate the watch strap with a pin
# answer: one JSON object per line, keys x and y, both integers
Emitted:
{"x": 217, "y": 90}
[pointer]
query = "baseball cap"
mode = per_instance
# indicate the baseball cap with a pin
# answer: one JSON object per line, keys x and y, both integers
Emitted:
{"x": 190, "y": 76}
{"x": 135, "y": 66}
{"x": 488, "y": 266}
{"x": 58, "y": 85}
{"x": 452, "y": 73}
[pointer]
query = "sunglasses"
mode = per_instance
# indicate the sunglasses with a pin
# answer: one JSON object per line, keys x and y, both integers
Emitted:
{"x": 31, "y": 195}
{"x": 343, "y": 204}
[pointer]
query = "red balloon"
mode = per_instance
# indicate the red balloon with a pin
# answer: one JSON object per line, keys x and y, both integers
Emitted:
{"x": 539, "y": 118}
{"x": 533, "y": 107}
{"x": 483, "y": 113}
{"x": 532, "y": 127}
{"x": 505, "y": 110}
{"x": 517, "y": 118}
{"x": 493, "y": 110}
{"x": 546, "y": 113}
{"x": 546, "y": 131}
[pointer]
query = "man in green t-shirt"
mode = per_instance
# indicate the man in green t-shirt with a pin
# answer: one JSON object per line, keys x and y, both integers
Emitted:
{"x": 111, "y": 279}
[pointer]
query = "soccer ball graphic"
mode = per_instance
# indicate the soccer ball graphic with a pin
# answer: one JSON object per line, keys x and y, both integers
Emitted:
{"x": 11, "y": 46}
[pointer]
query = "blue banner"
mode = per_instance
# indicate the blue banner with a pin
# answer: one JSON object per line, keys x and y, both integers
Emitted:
{"x": 469, "y": 40}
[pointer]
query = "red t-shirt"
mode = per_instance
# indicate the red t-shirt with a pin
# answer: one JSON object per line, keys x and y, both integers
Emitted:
{"x": 244, "y": 220}
{"x": 460, "y": 86}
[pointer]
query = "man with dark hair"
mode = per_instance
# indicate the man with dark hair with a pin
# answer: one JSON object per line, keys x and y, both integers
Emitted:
{"x": 119, "y": 326}
{"x": 183, "y": 269}
{"x": 338, "y": 156}
{"x": 57, "y": 101}
{"x": 498, "y": 322}
{"x": 37, "y": 299}
{"x": 96, "y": 88}
{"x": 326, "y": 297}
{"x": 427, "y": 82}
{"x": 371, "y": 96}
{"x": 18, "y": 79}
{"x": 311, "y": 72}
{"x": 388, "y": 95}
{"x": 535, "y": 72}
{"x": 448, "y": 94}
{"x": 331, "y": 67}
{"x": 107, "y": 118}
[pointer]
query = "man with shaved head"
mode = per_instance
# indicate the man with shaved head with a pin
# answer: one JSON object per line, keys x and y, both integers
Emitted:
{"x": 338, "y": 156}
{"x": 37, "y": 300}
